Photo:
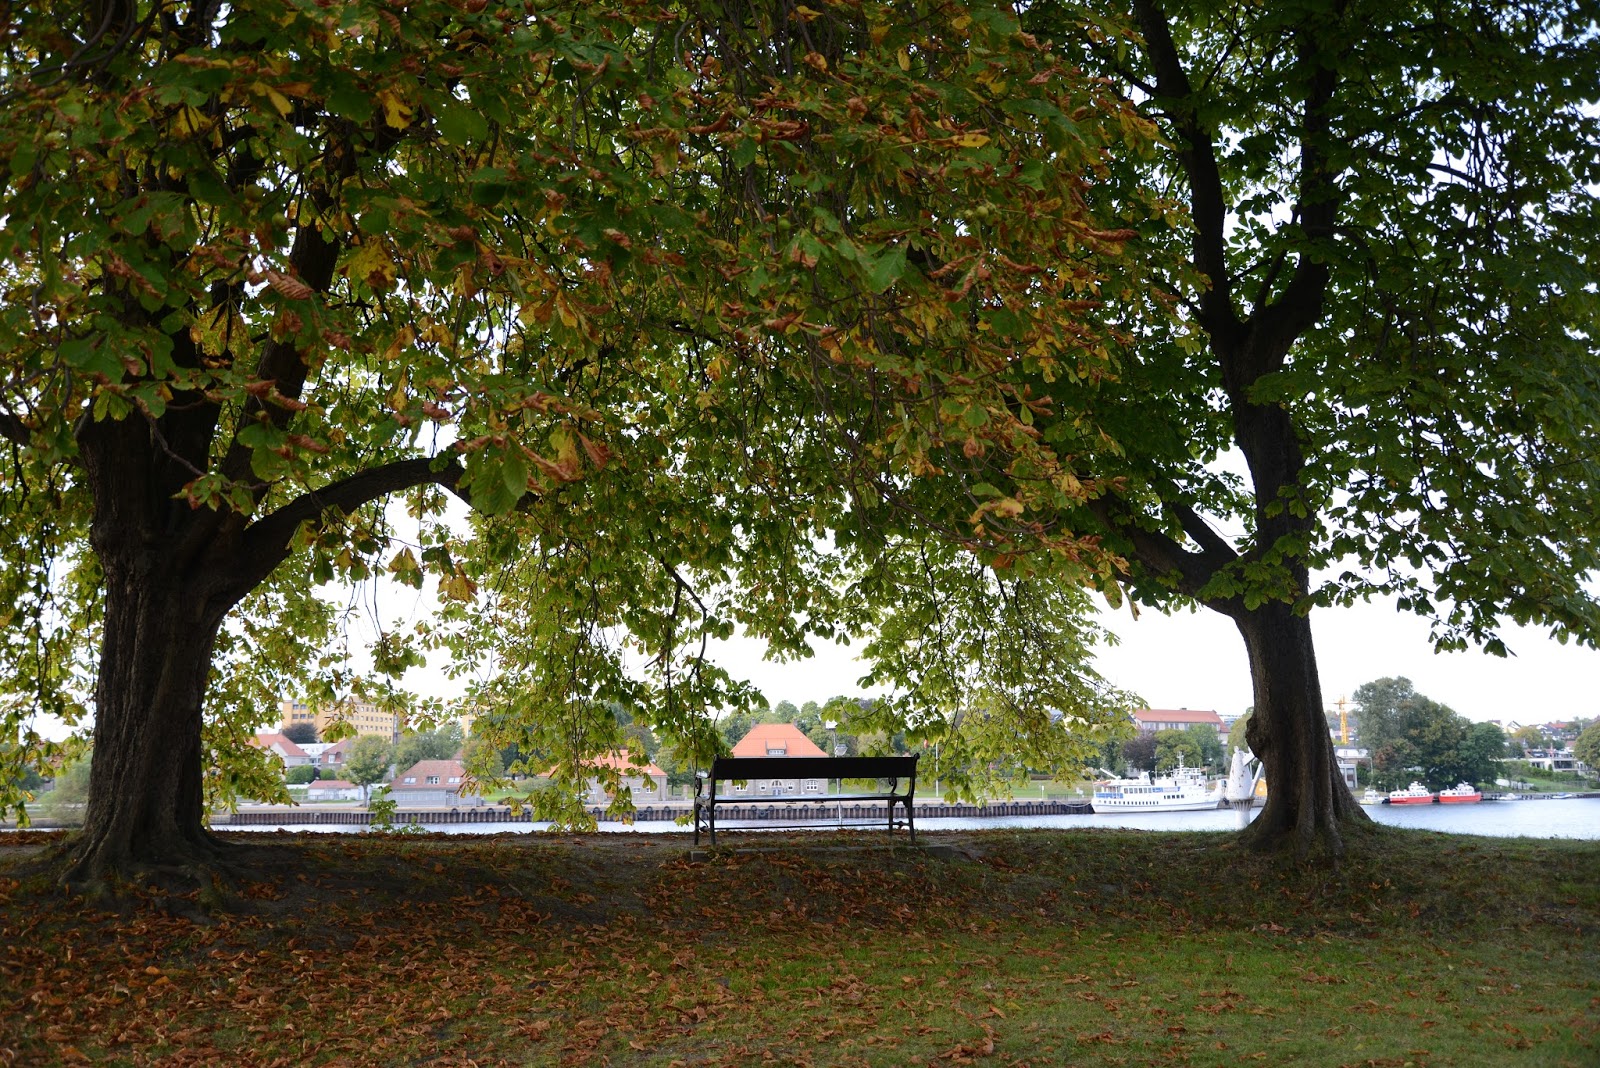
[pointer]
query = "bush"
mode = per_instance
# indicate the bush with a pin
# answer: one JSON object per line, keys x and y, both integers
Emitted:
{"x": 302, "y": 775}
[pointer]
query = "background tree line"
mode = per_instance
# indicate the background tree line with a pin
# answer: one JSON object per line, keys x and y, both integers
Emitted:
{"x": 1411, "y": 736}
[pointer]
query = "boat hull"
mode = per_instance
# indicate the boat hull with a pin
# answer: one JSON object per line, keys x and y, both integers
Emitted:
{"x": 1103, "y": 807}
{"x": 1467, "y": 800}
{"x": 1411, "y": 800}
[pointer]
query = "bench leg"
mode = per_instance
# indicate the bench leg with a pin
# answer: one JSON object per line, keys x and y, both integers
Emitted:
{"x": 697, "y": 821}
{"x": 911, "y": 818}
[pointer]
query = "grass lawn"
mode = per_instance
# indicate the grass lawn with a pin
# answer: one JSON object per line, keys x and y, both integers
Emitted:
{"x": 1087, "y": 947}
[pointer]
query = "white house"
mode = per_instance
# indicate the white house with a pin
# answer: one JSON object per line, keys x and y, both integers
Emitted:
{"x": 290, "y": 754}
{"x": 333, "y": 790}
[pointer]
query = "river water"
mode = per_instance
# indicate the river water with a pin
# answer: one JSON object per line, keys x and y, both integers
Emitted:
{"x": 1577, "y": 817}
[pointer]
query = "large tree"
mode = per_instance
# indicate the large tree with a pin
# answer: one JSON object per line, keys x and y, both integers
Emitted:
{"x": 1388, "y": 382}
{"x": 646, "y": 282}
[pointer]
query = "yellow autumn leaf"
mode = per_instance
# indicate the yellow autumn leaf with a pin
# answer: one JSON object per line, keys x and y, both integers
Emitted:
{"x": 569, "y": 318}
{"x": 971, "y": 140}
{"x": 191, "y": 120}
{"x": 458, "y": 587}
{"x": 396, "y": 112}
{"x": 370, "y": 263}
{"x": 566, "y": 447}
{"x": 903, "y": 57}
{"x": 279, "y": 101}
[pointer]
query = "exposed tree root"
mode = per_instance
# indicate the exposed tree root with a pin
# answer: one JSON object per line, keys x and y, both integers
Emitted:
{"x": 200, "y": 869}
{"x": 1313, "y": 841}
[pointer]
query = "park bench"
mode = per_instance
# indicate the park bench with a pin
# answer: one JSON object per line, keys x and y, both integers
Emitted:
{"x": 728, "y": 770}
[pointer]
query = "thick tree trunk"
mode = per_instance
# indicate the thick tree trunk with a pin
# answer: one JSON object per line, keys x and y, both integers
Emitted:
{"x": 1308, "y": 804}
{"x": 146, "y": 805}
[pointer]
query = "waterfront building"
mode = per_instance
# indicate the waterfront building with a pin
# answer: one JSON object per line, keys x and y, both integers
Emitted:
{"x": 646, "y": 782}
{"x": 1150, "y": 720}
{"x": 778, "y": 740}
{"x": 432, "y": 784}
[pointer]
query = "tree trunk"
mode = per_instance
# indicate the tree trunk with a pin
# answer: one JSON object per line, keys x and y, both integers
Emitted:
{"x": 1308, "y": 803}
{"x": 146, "y": 806}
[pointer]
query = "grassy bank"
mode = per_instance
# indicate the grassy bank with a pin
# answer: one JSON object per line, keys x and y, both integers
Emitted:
{"x": 1011, "y": 948}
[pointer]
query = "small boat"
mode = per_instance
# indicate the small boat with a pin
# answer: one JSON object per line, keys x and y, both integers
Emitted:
{"x": 1462, "y": 793}
{"x": 1415, "y": 794}
{"x": 1185, "y": 790}
{"x": 1373, "y": 797}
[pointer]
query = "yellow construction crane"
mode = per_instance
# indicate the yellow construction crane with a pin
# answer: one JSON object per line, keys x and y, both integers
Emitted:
{"x": 1344, "y": 721}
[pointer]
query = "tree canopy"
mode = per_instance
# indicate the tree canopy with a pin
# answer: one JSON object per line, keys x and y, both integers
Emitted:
{"x": 1384, "y": 379}
{"x": 368, "y": 760}
{"x": 1587, "y": 747}
{"x": 674, "y": 296}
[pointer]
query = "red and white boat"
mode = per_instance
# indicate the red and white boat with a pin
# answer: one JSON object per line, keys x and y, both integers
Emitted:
{"x": 1415, "y": 794}
{"x": 1460, "y": 794}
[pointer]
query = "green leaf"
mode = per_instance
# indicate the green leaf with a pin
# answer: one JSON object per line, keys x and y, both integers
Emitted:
{"x": 514, "y": 473}
{"x": 459, "y": 122}
{"x": 888, "y": 268}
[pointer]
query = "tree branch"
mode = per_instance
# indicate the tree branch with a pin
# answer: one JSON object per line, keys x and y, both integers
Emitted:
{"x": 1198, "y": 154}
{"x": 266, "y": 543}
{"x": 13, "y": 429}
{"x": 1164, "y": 555}
{"x": 1300, "y": 305}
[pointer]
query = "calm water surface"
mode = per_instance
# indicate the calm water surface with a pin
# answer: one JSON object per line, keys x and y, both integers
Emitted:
{"x": 1565, "y": 818}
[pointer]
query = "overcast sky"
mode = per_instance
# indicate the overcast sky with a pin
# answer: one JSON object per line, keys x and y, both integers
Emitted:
{"x": 1197, "y": 660}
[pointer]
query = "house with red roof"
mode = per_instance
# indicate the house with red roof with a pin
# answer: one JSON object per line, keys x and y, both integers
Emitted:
{"x": 646, "y": 782}
{"x": 290, "y": 754}
{"x": 334, "y": 756}
{"x": 1176, "y": 719}
{"x": 778, "y": 740}
{"x": 432, "y": 784}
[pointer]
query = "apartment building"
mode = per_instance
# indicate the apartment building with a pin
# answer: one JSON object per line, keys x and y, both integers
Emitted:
{"x": 364, "y": 716}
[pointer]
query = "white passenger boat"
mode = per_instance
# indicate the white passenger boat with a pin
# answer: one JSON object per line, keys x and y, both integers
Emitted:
{"x": 1415, "y": 794}
{"x": 1185, "y": 790}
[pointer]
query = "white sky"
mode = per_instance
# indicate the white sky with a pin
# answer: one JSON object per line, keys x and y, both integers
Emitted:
{"x": 1197, "y": 660}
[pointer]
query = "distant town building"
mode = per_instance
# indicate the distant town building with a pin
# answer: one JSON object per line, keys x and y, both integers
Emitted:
{"x": 333, "y": 790}
{"x": 334, "y": 756}
{"x": 778, "y": 740}
{"x": 1348, "y": 757}
{"x": 1176, "y": 719}
{"x": 287, "y": 752}
{"x": 646, "y": 782}
{"x": 364, "y": 716}
{"x": 314, "y": 750}
{"x": 432, "y": 784}
{"x": 1553, "y": 759}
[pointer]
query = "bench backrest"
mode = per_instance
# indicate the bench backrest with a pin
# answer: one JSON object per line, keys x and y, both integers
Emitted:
{"x": 859, "y": 767}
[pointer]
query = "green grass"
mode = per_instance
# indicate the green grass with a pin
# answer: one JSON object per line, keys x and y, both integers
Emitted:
{"x": 1015, "y": 948}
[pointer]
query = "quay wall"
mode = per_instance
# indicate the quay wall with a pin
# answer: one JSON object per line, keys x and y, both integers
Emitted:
{"x": 787, "y": 813}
